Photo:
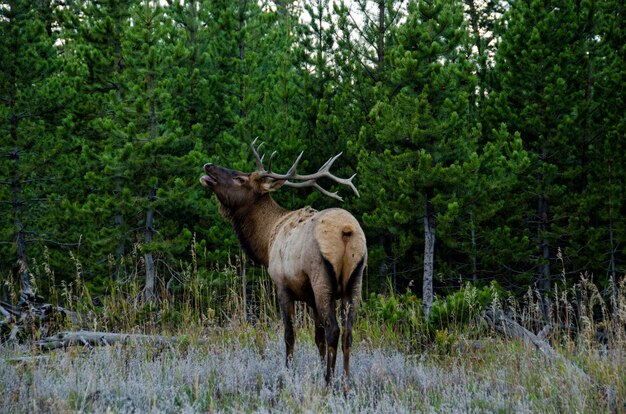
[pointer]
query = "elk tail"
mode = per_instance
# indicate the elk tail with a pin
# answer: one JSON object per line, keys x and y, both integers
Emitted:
{"x": 354, "y": 257}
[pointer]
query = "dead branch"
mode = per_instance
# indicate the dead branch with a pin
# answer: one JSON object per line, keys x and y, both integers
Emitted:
{"x": 31, "y": 317}
{"x": 506, "y": 326}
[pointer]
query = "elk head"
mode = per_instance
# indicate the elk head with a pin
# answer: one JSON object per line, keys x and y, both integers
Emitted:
{"x": 235, "y": 188}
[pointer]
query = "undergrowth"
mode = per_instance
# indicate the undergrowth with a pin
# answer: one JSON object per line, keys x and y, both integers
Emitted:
{"x": 401, "y": 361}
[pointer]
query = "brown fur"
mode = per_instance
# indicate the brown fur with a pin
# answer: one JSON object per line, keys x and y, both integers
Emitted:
{"x": 312, "y": 256}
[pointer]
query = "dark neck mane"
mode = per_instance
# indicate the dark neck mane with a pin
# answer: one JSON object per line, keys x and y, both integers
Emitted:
{"x": 254, "y": 224}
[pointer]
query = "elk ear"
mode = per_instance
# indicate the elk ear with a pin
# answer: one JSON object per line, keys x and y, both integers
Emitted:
{"x": 269, "y": 184}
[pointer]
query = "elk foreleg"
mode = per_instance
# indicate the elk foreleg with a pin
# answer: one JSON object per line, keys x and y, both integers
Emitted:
{"x": 285, "y": 299}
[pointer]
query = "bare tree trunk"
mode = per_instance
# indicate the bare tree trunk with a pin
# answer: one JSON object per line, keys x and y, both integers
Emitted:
{"x": 478, "y": 43}
{"x": 149, "y": 228}
{"x": 88, "y": 338}
{"x": 118, "y": 221}
{"x": 192, "y": 29}
{"x": 612, "y": 273}
{"x": 244, "y": 283}
{"x": 429, "y": 254}
{"x": 17, "y": 201}
{"x": 543, "y": 279}
{"x": 473, "y": 256}
{"x": 380, "y": 41}
{"x": 148, "y": 257}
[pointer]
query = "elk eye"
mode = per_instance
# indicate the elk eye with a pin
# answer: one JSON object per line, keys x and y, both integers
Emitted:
{"x": 239, "y": 180}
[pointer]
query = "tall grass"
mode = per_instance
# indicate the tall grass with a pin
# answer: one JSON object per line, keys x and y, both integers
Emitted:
{"x": 401, "y": 361}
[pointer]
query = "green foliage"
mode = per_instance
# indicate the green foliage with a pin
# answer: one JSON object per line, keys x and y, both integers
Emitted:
{"x": 461, "y": 308}
{"x": 549, "y": 83}
{"x": 508, "y": 138}
{"x": 456, "y": 312}
{"x": 395, "y": 310}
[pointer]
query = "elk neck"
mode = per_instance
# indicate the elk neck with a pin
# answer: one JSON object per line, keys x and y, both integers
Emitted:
{"x": 254, "y": 225}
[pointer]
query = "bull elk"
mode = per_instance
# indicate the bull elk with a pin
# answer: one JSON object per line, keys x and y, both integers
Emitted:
{"x": 312, "y": 256}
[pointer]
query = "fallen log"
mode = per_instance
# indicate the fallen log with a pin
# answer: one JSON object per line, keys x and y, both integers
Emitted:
{"x": 91, "y": 338}
{"x": 33, "y": 318}
{"x": 507, "y": 326}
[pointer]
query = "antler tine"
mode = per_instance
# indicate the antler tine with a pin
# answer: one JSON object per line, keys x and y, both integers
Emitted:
{"x": 269, "y": 168}
{"x": 294, "y": 167}
{"x": 257, "y": 158}
{"x": 346, "y": 181}
{"x": 329, "y": 163}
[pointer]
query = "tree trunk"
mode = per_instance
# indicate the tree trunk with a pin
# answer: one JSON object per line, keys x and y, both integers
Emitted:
{"x": 244, "y": 283}
{"x": 16, "y": 180}
{"x": 148, "y": 257}
{"x": 119, "y": 226}
{"x": 17, "y": 200}
{"x": 149, "y": 229}
{"x": 380, "y": 41}
{"x": 192, "y": 29}
{"x": 88, "y": 338}
{"x": 473, "y": 254}
{"x": 243, "y": 113}
{"x": 478, "y": 43}
{"x": 429, "y": 254}
{"x": 543, "y": 279}
{"x": 612, "y": 272}
{"x": 509, "y": 327}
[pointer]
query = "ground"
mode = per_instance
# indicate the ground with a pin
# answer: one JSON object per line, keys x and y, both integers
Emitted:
{"x": 241, "y": 369}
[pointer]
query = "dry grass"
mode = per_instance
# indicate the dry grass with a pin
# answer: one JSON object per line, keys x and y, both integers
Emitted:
{"x": 399, "y": 365}
{"x": 242, "y": 371}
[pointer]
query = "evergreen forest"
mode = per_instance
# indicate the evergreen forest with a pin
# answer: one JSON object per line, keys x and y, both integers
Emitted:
{"x": 488, "y": 138}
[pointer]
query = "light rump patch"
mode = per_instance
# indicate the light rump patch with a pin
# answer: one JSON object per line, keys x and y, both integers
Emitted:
{"x": 341, "y": 241}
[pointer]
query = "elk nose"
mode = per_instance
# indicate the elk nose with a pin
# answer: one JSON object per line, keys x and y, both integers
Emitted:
{"x": 207, "y": 166}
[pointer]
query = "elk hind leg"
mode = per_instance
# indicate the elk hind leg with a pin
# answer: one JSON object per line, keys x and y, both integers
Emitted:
{"x": 320, "y": 334}
{"x": 348, "y": 312}
{"x": 326, "y": 307}
{"x": 325, "y": 304}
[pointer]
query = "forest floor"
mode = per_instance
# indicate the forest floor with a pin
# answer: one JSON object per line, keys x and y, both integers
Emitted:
{"x": 241, "y": 369}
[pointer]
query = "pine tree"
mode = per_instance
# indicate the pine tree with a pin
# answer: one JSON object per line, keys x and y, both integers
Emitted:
{"x": 319, "y": 80}
{"x": 102, "y": 30}
{"x": 365, "y": 37}
{"x": 547, "y": 95}
{"x": 38, "y": 83}
{"x": 605, "y": 124}
{"x": 151, "y": 144}
{"x": 422, "y": 127}
{"x": 483, "y": 19}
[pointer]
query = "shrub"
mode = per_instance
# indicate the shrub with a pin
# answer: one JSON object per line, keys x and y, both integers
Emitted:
{"x": 462, "y": 307}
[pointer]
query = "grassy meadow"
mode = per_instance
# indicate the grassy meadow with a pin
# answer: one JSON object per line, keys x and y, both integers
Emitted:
{"x": 231, "y": 356}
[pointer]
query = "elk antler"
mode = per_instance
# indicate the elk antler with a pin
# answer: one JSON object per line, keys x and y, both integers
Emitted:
{"x": 309, "y": 180}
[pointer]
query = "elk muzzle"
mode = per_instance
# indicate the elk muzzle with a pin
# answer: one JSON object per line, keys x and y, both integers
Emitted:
{"x": 209, "y": 179}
